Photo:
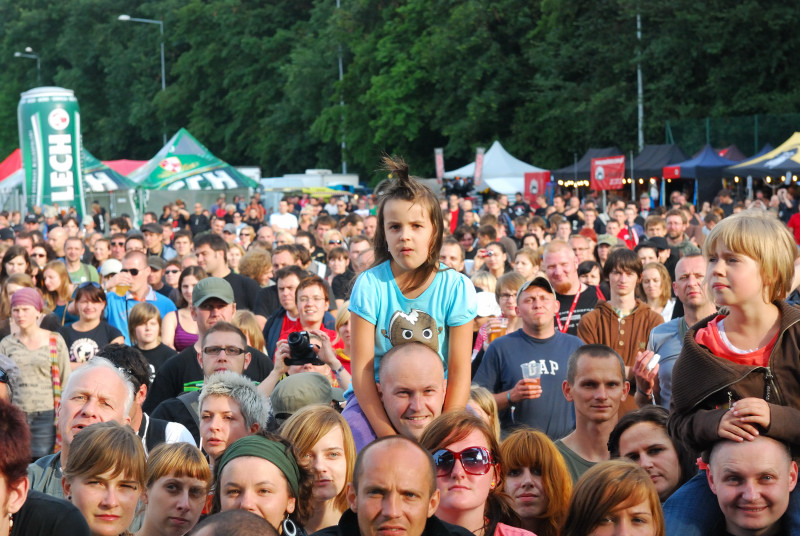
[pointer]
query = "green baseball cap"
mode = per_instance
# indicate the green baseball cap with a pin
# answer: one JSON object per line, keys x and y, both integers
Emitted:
{"x": 211, "y": 287}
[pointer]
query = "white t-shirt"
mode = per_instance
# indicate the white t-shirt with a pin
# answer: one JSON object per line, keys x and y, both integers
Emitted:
{"x": 283, "y": 221}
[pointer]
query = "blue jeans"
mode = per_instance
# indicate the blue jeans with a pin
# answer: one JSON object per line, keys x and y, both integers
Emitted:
{"x": 693, "y": 510}
{"x": 43, "y": 432}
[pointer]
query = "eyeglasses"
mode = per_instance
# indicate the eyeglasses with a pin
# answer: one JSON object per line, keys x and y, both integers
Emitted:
{"x": 229, "y": 350}
{"x": 172, "y": 271}
{"x": 334, "y": 242}
{"x": 133, "y": 271}
{"x": 307, "y": 299}
{"x": 474, "y": 460}
{"x": 507, "y": 296}
{"x": 38, "y": 254}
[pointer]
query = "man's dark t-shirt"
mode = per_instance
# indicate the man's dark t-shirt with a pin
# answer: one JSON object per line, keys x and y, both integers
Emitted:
{"x": 245, "y": 290}
{"x": 587, "y": 301}
{"x": 184, "y": 368}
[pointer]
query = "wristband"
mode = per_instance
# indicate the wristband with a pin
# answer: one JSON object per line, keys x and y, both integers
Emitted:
{"x": 508, "y": 397}
{"x": 339, "y": 370}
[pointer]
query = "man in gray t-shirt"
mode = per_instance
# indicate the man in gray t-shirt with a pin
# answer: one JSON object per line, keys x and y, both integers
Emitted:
{"x": 538, "y": 347}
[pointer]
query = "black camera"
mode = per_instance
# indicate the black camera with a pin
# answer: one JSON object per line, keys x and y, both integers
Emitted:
{"x": 301, "y": 351}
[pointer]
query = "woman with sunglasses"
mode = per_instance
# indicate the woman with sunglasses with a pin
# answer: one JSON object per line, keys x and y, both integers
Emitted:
{"x": 468, "y": 477}
{"x": 87, "y": 335}
{"x": 332, "y": 239}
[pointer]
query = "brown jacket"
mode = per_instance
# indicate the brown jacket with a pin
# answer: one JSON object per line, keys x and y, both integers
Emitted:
{"x": 704, "y": 385}
{"x": 627, "y": 336}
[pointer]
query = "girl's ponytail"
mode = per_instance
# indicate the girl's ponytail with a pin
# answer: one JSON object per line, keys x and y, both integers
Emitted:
{"x": 397, "y": 168}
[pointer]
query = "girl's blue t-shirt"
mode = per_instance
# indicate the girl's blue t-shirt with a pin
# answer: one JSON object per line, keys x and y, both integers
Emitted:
{"x": 450, "y": 300}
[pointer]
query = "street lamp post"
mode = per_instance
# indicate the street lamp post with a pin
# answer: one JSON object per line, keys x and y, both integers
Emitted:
{"x": 128, "y": 18}
{"x": 30, "y": 54}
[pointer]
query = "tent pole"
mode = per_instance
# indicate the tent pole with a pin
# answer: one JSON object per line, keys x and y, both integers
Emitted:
{"x": 633, "y": 182}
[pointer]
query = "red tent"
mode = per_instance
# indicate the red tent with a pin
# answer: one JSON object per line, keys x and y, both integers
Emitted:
{"x": 124, "y": 167}
{"x": 11, "y": 164}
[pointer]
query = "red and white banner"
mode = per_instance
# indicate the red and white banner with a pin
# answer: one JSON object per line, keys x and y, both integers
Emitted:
{"x": 671, "y": 172}
{"x": 608, "y": 173}
{"x": 535, "y": 184}
{"x": 478, "y": 165}
{"x": 438, "y": 156}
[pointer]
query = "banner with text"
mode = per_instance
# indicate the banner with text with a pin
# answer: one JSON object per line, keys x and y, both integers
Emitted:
{"x": 50, "y": 140}
{"x": 608, "y": 173}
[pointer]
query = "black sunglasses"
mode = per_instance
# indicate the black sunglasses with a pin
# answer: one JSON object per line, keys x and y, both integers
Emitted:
{"x": 172, "y": 271}
{"x": 133, "y": 271}
{"x": 474, "y": 460}
{"x": 337, "y": 242}
{"x": 118, "y": 244}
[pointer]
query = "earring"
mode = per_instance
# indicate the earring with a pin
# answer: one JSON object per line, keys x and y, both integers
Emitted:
{"x": 493, "y": 484}
{"x": 289, "y": 528}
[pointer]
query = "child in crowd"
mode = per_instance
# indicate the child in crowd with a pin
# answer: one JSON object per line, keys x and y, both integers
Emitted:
{"x": 144, "y": 325}
{"x": 408, "y": 295}
{"x": 736, "y": 377}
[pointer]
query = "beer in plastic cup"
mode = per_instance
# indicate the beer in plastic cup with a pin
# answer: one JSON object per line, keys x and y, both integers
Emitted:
{"x": 498, "y": 329}
{"x": 530, "y": 372}
{"x": 121, "y": 290}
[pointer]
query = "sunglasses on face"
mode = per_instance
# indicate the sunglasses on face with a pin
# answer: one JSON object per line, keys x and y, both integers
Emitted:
{"x": 229, "y": 350}
{"x": 38, "y": 254}
{"x": 172, "y": 271}
{"x": 3, "y": 376}
{"x": 133, "y": 271}
{"x": 334, "y": 242}
{"x": 474, "y": 460}
{"x": 118, "y": 244}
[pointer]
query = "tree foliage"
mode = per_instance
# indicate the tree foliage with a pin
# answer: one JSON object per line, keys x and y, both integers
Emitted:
{"x": 258, "y": 82}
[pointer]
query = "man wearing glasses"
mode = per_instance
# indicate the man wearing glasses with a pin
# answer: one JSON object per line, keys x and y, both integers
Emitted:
{"x": 134, "y": 273}
{"x": 222, "y": 348}
{"x": 117, "y": 244}
{"x": 212, "y": 303}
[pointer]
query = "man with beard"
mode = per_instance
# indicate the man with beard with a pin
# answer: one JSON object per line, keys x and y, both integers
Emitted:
{"x": 575, "y": 298}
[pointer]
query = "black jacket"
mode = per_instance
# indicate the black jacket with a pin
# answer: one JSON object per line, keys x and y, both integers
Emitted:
{"x": 348, "y": 526}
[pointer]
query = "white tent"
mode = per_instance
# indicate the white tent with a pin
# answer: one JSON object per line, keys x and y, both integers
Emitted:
{"x": 501, "y": 172}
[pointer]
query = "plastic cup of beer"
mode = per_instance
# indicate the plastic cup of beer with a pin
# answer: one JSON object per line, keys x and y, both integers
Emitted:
{"x": 121, "y": 290}
{"x": 497, "y": 329}
{"x": 531, "y": 373}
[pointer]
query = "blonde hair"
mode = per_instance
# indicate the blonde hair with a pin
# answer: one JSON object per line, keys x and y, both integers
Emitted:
{"x": 106, "y": 447}
{"x": 666, "y": 281}
{"x": 255, "y": 263}
{"x": 605, "y": 488}
{"x": 246, "y": 321}
{"x": 763, "y": 238}
{"x": 141, "y": 314}
{"x": 533, "y": 449}
{"x": 307, "y": 426}
{"x": 485, "y": 280}
{"x": 342, "y": 316}
{"x": 483, "y": 398}
{"x": 179, "y": 460}
{"x": 51, "y": 299}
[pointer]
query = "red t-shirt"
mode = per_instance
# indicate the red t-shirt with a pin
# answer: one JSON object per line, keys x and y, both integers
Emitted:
{"x": 710, "y": 337}
{"x": 794, "y": 225}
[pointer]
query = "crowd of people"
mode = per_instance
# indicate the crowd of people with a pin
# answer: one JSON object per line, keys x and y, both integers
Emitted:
{"x": 402, "y": 363}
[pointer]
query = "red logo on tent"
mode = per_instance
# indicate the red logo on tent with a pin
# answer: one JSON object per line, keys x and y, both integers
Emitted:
{"x": 171, "y": 164}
